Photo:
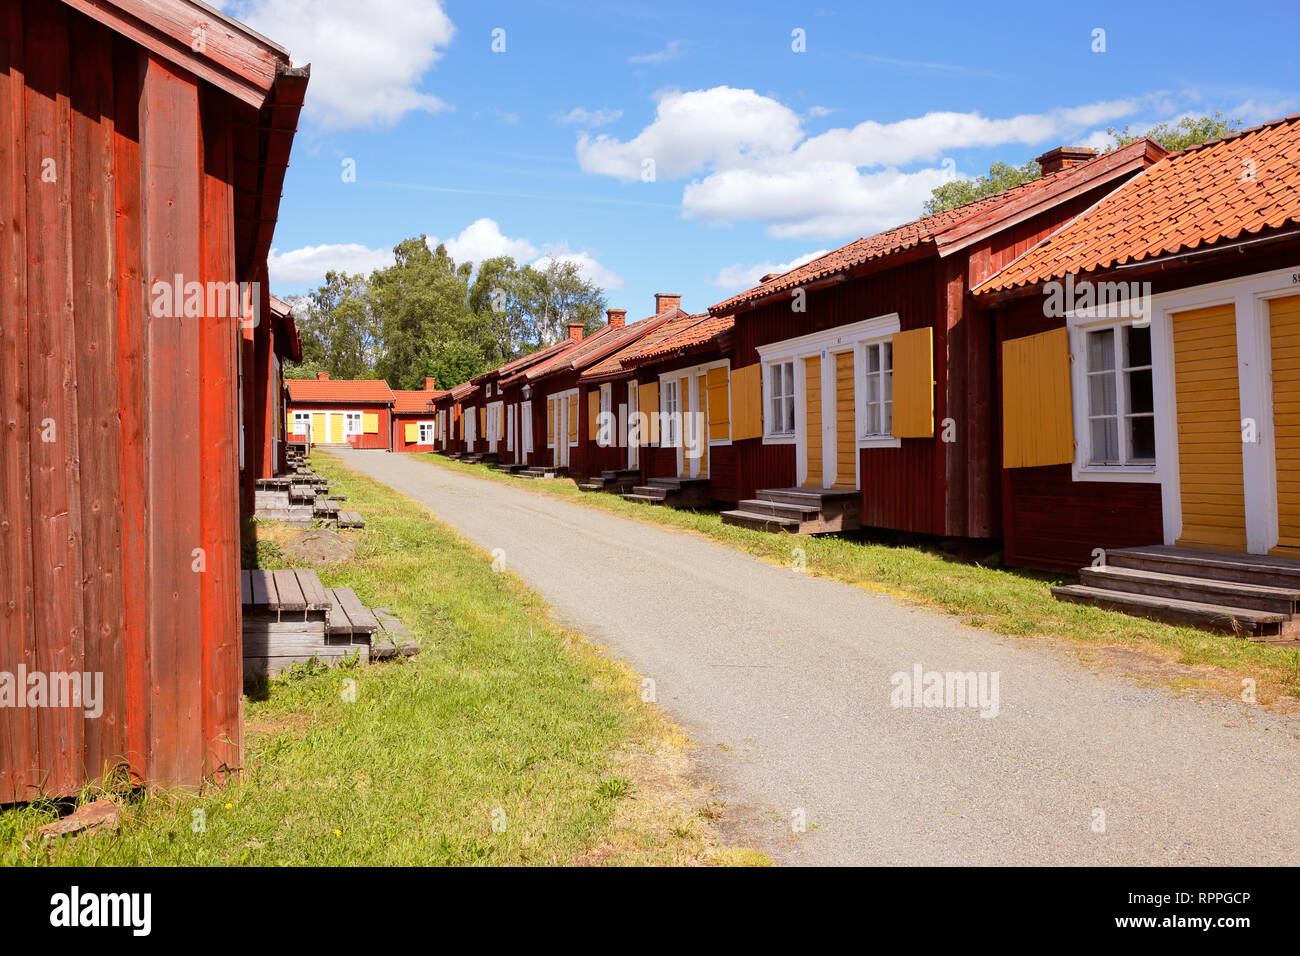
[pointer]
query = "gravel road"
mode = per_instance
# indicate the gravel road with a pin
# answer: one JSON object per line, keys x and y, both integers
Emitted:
{"x": 789, "y": 686}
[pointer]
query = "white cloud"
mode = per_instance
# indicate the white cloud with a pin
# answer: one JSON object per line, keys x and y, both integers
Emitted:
{"x": 309, "y": 264}
{"x": 671, "y": 52}
{"x": 736, "y": 277}
{"x": 588, "y": 267}
{"x": 758, "y": 164}
{"x": 718, "y": 127}
{"x": 590, "y": 118}
{"x": 368, "y": 59}
{"x": 482, "y": 239}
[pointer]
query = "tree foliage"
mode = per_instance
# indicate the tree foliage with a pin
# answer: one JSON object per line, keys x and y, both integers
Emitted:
{"x": 427, "y": 315}
{"x": 1188, "y": 131}
{"x": 961, "y": 191}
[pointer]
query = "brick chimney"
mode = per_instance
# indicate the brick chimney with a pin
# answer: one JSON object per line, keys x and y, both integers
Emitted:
{"x": 666, "y": 302}
{"x": 616, "y": 318}
{"x": 1063, "y": 157}
{"x": 575, "y": 331}
{"x": 430, "y": 384}
{"x": 322, "y": 376}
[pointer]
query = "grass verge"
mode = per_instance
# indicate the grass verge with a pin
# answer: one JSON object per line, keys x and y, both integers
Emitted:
{"x": 1008, "y": 601}
{"x": 507, "y": 740}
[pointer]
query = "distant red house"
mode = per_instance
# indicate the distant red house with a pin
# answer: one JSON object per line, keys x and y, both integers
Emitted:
{"x": 417, "y": 419}
{"x": 139, "y": 187}
{"x": 268, "y": 343}
{"x": 327, "y": 411}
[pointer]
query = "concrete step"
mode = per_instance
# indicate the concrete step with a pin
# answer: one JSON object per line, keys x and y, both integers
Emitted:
{"x": 1191, "y": 588}
{"x": 1248, "y": 622}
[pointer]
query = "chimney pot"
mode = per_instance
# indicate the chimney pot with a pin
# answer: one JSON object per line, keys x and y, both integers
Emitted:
{"x": 322, "y": 376}
{"x": 666, "y": 302}
{"x": 1063, "y": 157}
{"x": 575, "y": 331}
{"x": 617, "y": 318}
{"x": 430, "y": 384}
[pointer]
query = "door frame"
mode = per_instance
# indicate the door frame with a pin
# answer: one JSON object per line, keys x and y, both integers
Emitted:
{"x": 696, "y": 376}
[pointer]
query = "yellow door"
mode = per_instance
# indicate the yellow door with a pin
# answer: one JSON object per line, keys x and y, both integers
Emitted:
{"x": 336, "y": 429}
{"x": 846, "y": 442}
{"x": 812, "y": 367}
{"x": 318, "y": 420}
{"x": 1284, "y": 323}
{"x": 684, "y": 397}
{"x": 1209, "y": 429}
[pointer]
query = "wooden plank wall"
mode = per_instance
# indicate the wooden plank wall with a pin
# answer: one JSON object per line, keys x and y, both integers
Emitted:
{"x": 117, "y": 437}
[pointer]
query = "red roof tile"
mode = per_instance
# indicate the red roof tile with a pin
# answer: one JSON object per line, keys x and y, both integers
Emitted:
{"x": 657, "y": 342}
{"x": 943, "y": 228}
{"x": 1188, "y": 199}
{"x": 414, "y": 403}
{"x": 368, "y": 390}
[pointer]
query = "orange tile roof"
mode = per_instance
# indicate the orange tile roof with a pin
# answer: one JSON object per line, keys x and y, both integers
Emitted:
{"x": 701, "y": 333}
{"x": 414, "y": 403}
{"x": 624, "y": 359}
{"x": 943, "y": 228}
{"x": 1189, "y": 199}
{"x": 524, "y": 361}
{"x": 368, "y": 390}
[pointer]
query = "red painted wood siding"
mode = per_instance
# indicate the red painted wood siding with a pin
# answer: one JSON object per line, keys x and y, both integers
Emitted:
{"x": 399, "y": 432}
{"x": 372, "y": 441}
{"x": 102, "y": 524}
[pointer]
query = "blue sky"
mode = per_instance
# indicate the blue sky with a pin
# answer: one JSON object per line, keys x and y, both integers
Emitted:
{"x": 762, "y": 155}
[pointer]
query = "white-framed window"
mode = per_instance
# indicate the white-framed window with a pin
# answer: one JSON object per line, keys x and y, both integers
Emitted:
{"x": 427, "y": 431}
{"x": 302, "y": 423}
{"x": 779, "y": 421}
{"x": 669, "y": 436}
{"x": 1120, "y": 395}
{"x": 605, "y": 436}
{"x": 877, "y": 389}
{"x": 352, "y": 423}
{"x": 526, "y": 426}
{"x": 442, "y": 425}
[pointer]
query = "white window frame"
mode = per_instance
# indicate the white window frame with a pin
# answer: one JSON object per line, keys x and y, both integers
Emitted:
{"x": 427, "y": 433}
{"x": 770, "y": 435}
{"x": 670, "y": 406}
{"x": 348, "y": 419}
{"x": 1121, "y": 390}
{"x": 526, "y": 426}
{"x": 302, "y": 417}
{"x": 606, "y": 408}
{"x": 442, "y": 427}
{"x": 875, "y": 439}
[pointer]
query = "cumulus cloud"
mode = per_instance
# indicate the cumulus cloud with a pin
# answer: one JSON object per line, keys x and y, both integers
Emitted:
{"x": 758, "y": 164}
{"x": 482, "y": 239}
{"x": 368, "y": 59}
{"x": 588, "y": 267}
{"x": 308, "y": 265}
{"x": 736, "y": 277}
{"x": 590, "y": 118}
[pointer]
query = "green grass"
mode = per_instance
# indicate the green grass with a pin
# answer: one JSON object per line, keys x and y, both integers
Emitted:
{"x": 1008, "y": 601}
{"x": 503, "y": 717}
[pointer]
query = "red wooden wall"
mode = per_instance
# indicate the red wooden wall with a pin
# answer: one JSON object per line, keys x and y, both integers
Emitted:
{"x": 375, "y": 440}
{"x": 118, "y": 454}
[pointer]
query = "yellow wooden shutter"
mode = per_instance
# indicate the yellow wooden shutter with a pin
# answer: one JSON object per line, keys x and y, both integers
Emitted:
{"x": 715, "y": 382}
{"x": 288, "y": 423}
{"x": 1037, "y": 412}
{"x": 648, "y": 396}
{"x": 914, "y": 383}
{"x": 573, "y": 419}
{"x": 412, "y": 433}
{"x": 370, "y": 423}
{"x": 550, "y": 422}
{"x": 746, "y": 402}
{"x": 593, "y": 414}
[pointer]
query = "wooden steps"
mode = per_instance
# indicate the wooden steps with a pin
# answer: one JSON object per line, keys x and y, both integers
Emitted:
{"x": 541, "y": 472}
{"x": 509, "y": 468}
{"x": 1255, "y": 596}
{"x": 672, "y": 492}
{"x": 618, "y": 481}
{"x": 798, "y": 510}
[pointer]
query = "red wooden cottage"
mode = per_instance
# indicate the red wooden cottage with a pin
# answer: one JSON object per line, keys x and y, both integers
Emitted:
{"x": 451, "y": 438}
{"x": 1149, "y": 372}
{"x": 875, "y": 372}
{"x": 268, "y": 342}
{"x": 330, "y": 411}
{"x": 669, "y": 394}
{"x": 417, "y": 419}
{"x": 143, "y": 147}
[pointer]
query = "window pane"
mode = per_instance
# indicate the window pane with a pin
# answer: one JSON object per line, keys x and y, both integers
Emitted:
{"x": 1138, "y": 346}
{"x": 872, "y": 391}
{"x": 1140, "y": 397}
{"x": 776, "y": 371}
{"x": 888, "y": 349}
{"x": 789, "y": 414}
{"x": 1101, "y": 394}
{"x": 887, "y": 416}
{"x": 873, "y": 358}
{"x": 873, "y": 420}
{"x": 1101, "y": 350}
{"x": 889, "y": 384}
{"x": 1105, "y": 441}
{"x": 1142, "y": 437}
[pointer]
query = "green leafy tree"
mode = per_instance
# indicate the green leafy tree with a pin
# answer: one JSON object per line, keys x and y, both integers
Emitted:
{"x": 961, "y": 191}
{"x": 1188, "y": 131}
{"x": 551, "y": 297}
{"x": 337, "y": 326}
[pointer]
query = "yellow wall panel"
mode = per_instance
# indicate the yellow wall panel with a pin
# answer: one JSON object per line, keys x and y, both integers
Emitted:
{"x": 715, "y": 383}
{"x": 412, "y": 432}
{"x": 914, "y": 383}
{"x": 573, "y": 419}
{"x": 846, "y": 439}
{"x": 648, "y": 396}
{"x": 370, "y": 423}
{"x": 747, "y": 402}
{"x": 813, "y": 404}
{"x": 593, "y": 414}
{"x": 1284, "y": 326}
{"x": 1037, "y": 411}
